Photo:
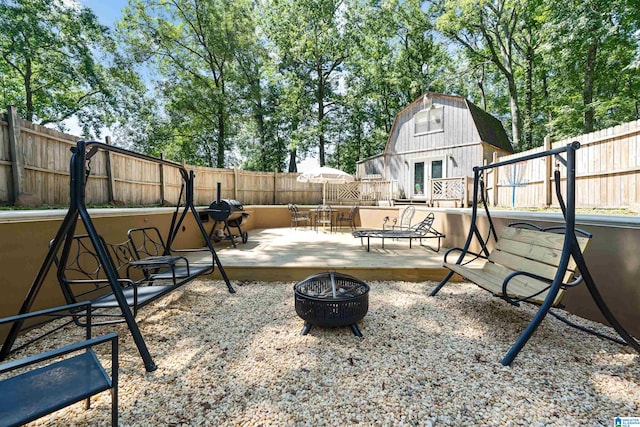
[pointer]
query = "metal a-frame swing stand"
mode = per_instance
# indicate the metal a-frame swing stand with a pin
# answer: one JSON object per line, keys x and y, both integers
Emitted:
{"x": 79, "y": 172}
{"x": 570, "y": 248}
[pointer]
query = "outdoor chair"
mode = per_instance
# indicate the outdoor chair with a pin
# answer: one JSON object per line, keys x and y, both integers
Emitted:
{"x": 421, "y": 230}
{"x": 298, "y": 217}
{"x": 348, "y": 217}
{"x": 323, "y": 217}
{"x": 403, "y": 224}
{"x": 44, "y": 381}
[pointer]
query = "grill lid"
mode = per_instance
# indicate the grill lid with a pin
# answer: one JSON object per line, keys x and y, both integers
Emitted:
{"x": 220, "y": 210}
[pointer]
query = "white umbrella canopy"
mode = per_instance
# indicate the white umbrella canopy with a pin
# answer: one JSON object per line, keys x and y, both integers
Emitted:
{"x": 325, "y": 175}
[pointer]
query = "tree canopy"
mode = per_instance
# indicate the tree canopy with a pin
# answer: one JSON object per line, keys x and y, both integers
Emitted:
{"x": 57, "y": 61}
{"x": 262, "y": 84}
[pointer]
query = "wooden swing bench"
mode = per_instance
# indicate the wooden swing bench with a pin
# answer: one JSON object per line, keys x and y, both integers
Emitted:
{"x": 529, "y": 263}
{"x": 522, "y": 265}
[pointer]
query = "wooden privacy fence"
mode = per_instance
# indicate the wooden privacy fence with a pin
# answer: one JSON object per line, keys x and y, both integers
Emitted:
{"x": 34, "y": 170}
{"x": 607, "y": 172}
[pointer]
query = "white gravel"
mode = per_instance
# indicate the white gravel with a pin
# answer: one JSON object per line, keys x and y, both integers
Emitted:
{"x": 239, "y": 360}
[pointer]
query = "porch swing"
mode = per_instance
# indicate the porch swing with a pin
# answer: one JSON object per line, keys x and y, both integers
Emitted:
{"x": 529, "y": 263}
{"x": 164, "y": 271}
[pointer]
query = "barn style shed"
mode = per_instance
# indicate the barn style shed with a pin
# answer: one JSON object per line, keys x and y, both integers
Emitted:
{"x": 433, "y": 146}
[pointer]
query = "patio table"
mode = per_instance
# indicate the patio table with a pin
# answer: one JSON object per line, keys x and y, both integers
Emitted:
{"x": 317, "y": 214}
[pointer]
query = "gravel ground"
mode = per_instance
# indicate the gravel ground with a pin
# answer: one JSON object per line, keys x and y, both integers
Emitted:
{"x": 239, "y": 360}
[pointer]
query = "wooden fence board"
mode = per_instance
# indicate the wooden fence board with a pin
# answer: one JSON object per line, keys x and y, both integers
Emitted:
{"x": 607, "y": 170}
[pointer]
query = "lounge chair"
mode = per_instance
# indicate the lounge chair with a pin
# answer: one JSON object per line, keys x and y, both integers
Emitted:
{"x": 422, "y": 230}
{"x": 404, "y": 222}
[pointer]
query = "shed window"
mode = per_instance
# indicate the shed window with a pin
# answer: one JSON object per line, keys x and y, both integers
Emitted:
{"x": 418, "y": 178}
{"x": 429, "y": 120}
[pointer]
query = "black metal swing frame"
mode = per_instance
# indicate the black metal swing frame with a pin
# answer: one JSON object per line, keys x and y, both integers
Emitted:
{"x": 570, "y": 249}
{"x": 79, "y": 172}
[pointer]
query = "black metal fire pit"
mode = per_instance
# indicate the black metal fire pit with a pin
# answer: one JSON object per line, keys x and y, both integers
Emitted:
{"x": 331, "y": 299}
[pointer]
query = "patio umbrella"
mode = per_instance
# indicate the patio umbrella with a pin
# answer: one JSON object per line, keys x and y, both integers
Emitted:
{"x": 325, "y": 175}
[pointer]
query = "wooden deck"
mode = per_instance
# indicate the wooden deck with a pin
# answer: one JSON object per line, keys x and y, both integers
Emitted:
{"x": 286, "y": 254}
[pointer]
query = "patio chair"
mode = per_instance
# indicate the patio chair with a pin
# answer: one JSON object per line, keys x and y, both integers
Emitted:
{"x": 323, "y": 217}
{"x": 42, "y": 382}
{"x": 405, "y": 220}
{"x": 422, "y": 230}
{"x": 348, "y": 217}
{"x": 298, "y": 217}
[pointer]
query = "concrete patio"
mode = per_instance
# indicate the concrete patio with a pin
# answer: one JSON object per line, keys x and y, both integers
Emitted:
{"x": 276, "y": 254}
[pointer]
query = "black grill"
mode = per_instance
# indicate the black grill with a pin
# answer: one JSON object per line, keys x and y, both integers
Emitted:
{"x": 230, "y": 213}
{"x": 331, "y": 299}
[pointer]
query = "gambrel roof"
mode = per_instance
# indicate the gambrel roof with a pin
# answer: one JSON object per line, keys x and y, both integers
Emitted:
{"x": 489, "y": 128}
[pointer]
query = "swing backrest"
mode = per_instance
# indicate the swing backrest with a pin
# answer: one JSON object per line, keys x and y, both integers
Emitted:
{"x": 533, "y": 251}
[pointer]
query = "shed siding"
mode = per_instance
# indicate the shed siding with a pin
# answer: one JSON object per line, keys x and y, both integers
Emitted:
{"x": 458, "y": 145}
{"x": 371, "y": 166}
{"x": 458, "y": 128}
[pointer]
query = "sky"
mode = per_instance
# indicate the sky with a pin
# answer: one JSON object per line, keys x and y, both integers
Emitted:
{"x": 108, "y": 13}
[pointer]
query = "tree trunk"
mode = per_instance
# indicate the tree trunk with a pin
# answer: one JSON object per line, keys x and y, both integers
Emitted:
{"x": 28, "y": 90}
{"x": 259, "y": 117}
{"x": 481, "y": 87}
{"x": 528, "y": 102}
{"x": 320, "y": 100}
{"x": 293, "y": 167}
{"x": 516, "y": 120}
{"x": 221, "y": 129}
{"x": 587, "y": 92}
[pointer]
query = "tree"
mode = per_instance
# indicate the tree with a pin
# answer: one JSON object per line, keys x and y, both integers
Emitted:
{"x": 487, "y": 30}
{"x": 262, "y": 146}
{"x": 593, "y": 83}
{"x": 52, "y": 63}
{"x": 192, "y": 45}
{"x": 392, "y": 60}
{"x": 311, "y": 40}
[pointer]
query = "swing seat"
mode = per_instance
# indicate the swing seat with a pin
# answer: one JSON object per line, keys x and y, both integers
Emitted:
{"x": 522, "y": 265}
{"x": 82, "y": 278}
{"x": 527, "y": 261}
{"x": 86, "y": 267}
{"x": 159, "y": 263}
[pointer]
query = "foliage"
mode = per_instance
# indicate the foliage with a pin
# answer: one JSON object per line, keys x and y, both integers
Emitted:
{"x": 261, "y": 84}
{"x": 57, "y": 61}
{"x": 311, "y": 43}
{"x": 191, "y": 46}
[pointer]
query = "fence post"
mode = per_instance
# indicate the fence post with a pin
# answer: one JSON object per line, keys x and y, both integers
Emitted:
{"x": 465, "y": 191}
{"x": 235, "y": 183}
{"x": 162, "y": 184}
{"x": 275, "y": 186}
{"x": 548, "y": 167}
{"x": 494, "y": 179}
{"x": 110, "y": 180}
{"x": 17, "y": 155}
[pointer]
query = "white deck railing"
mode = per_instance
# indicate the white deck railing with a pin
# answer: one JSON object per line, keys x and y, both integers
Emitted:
{"x": 449, "y": 189}
{"x": 360, "y": 192}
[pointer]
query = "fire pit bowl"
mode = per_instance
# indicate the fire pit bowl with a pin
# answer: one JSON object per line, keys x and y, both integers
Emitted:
{"x": 331, "y": 299}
